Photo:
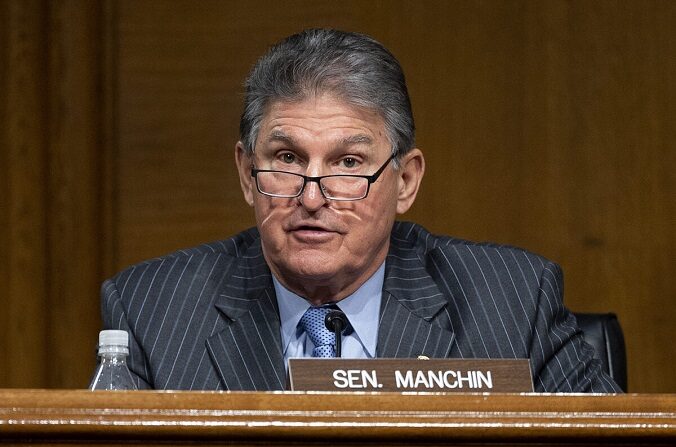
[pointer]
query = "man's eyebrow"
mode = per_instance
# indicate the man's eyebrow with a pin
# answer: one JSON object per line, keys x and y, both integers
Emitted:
{"x": 357, "y": 139}
{"x": 278, "y": 135}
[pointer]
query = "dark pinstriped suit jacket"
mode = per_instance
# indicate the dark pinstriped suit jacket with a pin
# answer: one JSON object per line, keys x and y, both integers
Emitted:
{"x": 207, "y": 318}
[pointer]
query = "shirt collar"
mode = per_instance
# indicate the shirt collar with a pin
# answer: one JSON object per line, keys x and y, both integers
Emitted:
{"x": 362, "y": 309}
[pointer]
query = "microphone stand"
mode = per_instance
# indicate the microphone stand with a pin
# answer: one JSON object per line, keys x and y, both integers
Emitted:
{"x": 336, "y": 322}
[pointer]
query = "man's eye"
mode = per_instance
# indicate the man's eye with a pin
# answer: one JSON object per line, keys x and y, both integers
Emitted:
{"x": 349, "y": 162}
{"x": 288, "y": 158}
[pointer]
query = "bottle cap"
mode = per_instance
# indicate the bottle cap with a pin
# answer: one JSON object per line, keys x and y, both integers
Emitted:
{"x": 113, "y": 337}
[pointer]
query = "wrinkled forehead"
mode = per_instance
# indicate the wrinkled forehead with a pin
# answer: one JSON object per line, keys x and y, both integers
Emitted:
{"x": 319, "y": 116}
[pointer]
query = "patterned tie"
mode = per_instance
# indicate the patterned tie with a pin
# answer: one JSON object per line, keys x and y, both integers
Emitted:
{"x": 324, "y": 340}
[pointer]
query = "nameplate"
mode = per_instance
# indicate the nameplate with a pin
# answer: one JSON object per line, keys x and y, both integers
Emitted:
{"x": 446, "y": 375}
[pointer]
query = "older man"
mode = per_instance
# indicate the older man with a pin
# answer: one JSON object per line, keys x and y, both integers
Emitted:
{"x": 326, "y": 158}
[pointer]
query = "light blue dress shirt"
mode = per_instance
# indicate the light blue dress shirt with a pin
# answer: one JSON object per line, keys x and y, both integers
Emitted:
{"x": 362, "y": 310}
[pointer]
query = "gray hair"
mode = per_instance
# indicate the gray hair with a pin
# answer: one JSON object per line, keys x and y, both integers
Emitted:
{"x": 353, "y": 66}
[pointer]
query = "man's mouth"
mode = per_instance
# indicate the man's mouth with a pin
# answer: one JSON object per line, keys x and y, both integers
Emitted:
{"x": 309, "y": 228}
{"x": 312, "y": 233}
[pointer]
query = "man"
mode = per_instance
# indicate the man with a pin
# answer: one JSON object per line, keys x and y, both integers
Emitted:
{"x": 326, "y": 158}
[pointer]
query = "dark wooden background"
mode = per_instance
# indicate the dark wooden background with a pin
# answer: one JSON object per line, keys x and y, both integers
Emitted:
{"x": 548, "y": 125}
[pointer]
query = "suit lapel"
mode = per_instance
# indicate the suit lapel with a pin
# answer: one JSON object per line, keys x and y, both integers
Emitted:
{"x": 246, "y": 350}
{"x": 413, "y": 321}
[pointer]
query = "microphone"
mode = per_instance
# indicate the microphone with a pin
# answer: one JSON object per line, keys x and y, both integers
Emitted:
{"x": 336, "y": 322}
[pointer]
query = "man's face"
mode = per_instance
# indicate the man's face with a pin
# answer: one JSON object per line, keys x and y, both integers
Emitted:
{"x": 319, "y": 248}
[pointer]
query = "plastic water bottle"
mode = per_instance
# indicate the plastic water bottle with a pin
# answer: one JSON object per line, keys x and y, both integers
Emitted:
{"x": 112, "y": 372}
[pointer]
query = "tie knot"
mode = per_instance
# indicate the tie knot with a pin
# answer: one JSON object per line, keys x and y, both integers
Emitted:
{"x": 313, "y": 324}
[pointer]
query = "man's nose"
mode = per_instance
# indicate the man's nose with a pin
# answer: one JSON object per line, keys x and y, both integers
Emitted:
{"x": 312, "y": 198}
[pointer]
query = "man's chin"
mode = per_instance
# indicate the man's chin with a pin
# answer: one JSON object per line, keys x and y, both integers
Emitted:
{"x": 312, "y": 265}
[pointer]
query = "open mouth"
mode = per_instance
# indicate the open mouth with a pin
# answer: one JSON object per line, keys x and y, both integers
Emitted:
{"x": 312, "y": 233}
{"x": 310, "y": 228}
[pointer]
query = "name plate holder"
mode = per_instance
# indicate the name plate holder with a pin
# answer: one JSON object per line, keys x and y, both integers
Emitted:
{"x": 400, "y": 375}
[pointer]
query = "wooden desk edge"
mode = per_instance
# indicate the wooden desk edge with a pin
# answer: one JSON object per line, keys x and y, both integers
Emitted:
{"x": 337, "y": 417}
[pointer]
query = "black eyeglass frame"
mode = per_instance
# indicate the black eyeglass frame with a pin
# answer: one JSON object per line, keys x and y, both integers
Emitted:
{"x": 370, "y": 178}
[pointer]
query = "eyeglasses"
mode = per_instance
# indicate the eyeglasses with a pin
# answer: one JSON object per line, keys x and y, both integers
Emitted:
{"x": 333, "y": 187}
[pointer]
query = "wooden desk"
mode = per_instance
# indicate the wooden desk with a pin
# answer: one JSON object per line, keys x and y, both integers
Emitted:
{"x": 65, "y": 417}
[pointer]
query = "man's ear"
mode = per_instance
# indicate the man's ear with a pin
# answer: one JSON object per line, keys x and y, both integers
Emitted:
{"x": 411, "y": 171}
{"x": 244, "y": 164}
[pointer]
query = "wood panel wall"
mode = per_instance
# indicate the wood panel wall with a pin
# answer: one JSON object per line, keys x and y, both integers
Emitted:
{"x": 547, "y": 125}
{"x": 51, "y": 166}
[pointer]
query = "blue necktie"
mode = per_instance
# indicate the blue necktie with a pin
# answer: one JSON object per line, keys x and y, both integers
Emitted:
{"x": 324, "y": 340}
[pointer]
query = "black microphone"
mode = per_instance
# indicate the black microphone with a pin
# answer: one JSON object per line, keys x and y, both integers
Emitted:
{"x": 336, "y": 322}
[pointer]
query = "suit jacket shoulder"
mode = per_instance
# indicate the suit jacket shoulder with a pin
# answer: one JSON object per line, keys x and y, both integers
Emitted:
{"x": 500, "y": 302}
{"x": 169, "y": 306}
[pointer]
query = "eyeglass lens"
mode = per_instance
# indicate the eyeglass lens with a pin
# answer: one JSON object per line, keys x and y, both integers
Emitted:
{"x": 333, "y": 187}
